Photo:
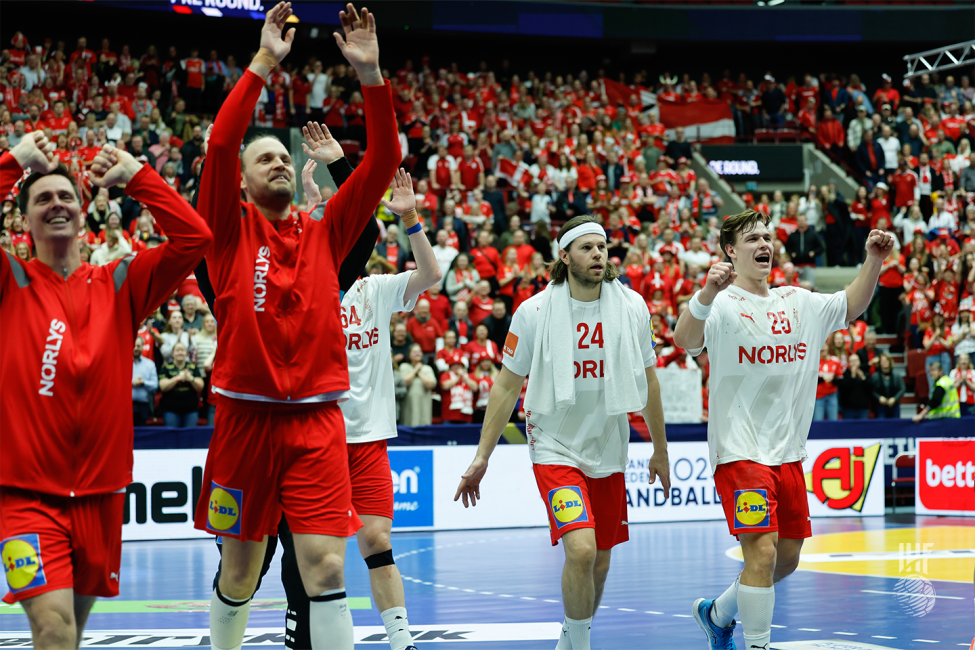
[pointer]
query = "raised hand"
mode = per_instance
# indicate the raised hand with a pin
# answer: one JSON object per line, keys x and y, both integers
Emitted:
{"x": 879, "y": 244}
{"x": 403, "y": 199}
{"x": 274, "y": 22}
{"x": 313, "y": 195}
{"x": 720, "y": 277}
{"x": 36, "y": 153}
{"x": 470, "y": 483}
{"x": 113, "y": 166}
{"x": 360, "y": 47}
{"x": 321, "y": 146}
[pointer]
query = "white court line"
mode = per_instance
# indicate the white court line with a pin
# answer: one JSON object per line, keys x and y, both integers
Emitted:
{"x": 877, "y": 636}
{"x": 894, "y": 593}
{"x": 846, "y": 633}
{"x": 926, "y": 641}
{"x": 809, "y": 629}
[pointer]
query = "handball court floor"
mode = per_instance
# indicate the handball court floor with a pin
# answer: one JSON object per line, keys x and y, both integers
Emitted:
{"x": 500, "y": 589}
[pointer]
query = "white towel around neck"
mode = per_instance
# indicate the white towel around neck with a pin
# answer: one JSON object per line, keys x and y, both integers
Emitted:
{"x": 551, "y": 383}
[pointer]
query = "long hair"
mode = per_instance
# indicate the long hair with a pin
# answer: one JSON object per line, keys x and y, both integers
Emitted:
{"x": 559, "y": 272}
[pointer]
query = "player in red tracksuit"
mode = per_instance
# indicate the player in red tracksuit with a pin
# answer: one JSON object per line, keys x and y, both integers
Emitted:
{"x": 63, "y": 473}
{"x": 281, "y": 365}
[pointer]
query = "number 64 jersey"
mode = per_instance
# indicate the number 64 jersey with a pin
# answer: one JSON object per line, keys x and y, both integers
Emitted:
{"x": 764, "y": 358}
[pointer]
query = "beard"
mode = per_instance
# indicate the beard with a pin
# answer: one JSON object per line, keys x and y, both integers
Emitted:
{"x": 580, "y": 272}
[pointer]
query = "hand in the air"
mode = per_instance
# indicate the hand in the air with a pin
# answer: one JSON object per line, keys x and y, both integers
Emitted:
{"x": 360, "y": 46}
{"x": 113, "y": 166}
{"x": 274, "y": 22}
{"x": 36, "y": 153}
{"x": 403, "y": 199}
{"x": 313, "y": 195}
{"x": 720, "y": 277}
{"x": 321, "y": 146}
{"x": 879, "y": 244}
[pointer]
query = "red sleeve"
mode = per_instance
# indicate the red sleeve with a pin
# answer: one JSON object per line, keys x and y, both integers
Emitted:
{"x": 10, "y": 173}
{"x": 348, "y": 212}
{"x": 155, "y": 274}
{"x": 219, "y": 200}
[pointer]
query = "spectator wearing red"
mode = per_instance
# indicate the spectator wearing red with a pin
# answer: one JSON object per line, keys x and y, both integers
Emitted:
{"x": 458, "y": 389}
{"x": 449, "y": 353}
{"x": 440, "y": 309}
{"x": 486, "y": 259}
{"x": 807, "y": 116}
{"x": 523, "y": 250}
{"x": 482, "y": 346}
{"x": 887, "y": 94}
{"x": 880, "y": 205}
{"x": 480, "y": 302}
{"x": 891, "y": 285}
{"x": 195, "y": 81}
{"x": 424, "y": 330}
{"x": 441, "y": 167}
{"x": 355, "y": 119}
{"x": 82, "y": 56}
{"x": 470, "y": 170}
{"x": 827, "y": 402}
{"x": 904, "y": 182}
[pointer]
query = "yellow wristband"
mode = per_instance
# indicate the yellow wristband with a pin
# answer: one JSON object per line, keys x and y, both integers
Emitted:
{"x": 264, "y": 56}
{"x": 410, "y": 218}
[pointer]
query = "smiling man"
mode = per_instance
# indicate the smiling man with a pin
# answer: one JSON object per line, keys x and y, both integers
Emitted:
{"x": 279, "y": 440}
{"x": 762, "y": 345}
{"x": 63, "y": 473}
{"x": 576, "y": 408}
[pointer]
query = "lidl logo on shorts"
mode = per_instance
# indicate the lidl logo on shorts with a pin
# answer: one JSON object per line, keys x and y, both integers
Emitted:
{"x": 567, "y": 505}
{"x": 22, "y": 562}
{"x": 751, "y": 509}
{"x": 225, "y": 506}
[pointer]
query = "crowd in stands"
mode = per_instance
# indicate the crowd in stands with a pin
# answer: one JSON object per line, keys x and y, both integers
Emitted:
{"x": 499, "y": 162}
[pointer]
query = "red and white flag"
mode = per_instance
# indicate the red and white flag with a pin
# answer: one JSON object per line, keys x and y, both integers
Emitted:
{"x": 509, "y": 170}
{"x": 618, "y": 93}
{"x": 708, "y": 120}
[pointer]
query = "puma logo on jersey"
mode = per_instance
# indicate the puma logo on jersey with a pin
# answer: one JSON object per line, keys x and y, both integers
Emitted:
{"x": 747, "y": 316}
{"x": 261, "y": 267}
{"x": 49, "y": 362}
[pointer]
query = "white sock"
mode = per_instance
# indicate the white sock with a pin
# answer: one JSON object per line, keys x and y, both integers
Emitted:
{"x": 330, "y": 622}
{"x": 755, "y": 605}
{"x": 228, "y": 621}
{"x": 397, "y": 628}
{"x": 579, "y": 632}
{"x": 726, "y": 606}
{"x": 565, "y": 643}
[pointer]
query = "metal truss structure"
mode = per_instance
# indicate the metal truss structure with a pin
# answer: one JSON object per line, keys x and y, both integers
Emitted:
{"x": 943, "y": 58}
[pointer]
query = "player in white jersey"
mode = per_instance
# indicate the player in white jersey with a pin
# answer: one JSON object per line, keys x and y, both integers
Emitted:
{"x": 578, "y": 444}
{"x": 763, "y": 348}
{"x": 370, "y": 420}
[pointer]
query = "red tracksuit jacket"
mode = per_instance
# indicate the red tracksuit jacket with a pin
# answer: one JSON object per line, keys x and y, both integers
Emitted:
{"x": 66, "y": 350}
{"x": 277, "y": 283}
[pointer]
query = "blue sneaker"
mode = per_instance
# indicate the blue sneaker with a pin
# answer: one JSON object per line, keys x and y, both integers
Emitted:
{"x": 719, "y": 638}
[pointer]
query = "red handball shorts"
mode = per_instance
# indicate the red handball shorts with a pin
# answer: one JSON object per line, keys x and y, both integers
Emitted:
{"x": 574, "y": 500}
{"x": 265, "y": 458}
{"x": 372, "y": 482}
{"x": 761, "y": 499}
{"x": 51, "y": 542}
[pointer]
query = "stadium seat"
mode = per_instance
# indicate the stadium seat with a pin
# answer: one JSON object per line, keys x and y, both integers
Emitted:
{"x": 351, "y": 148}
{"x": 902, "y": 462}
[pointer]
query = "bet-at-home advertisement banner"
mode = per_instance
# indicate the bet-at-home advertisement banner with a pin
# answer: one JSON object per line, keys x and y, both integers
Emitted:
{"x": 843, "y": 478}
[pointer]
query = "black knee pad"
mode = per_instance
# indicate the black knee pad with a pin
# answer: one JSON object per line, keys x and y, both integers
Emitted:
{"x": 380, "y": 559}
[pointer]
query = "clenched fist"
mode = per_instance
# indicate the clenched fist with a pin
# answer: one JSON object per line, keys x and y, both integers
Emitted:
{"x": 720, "y": 277}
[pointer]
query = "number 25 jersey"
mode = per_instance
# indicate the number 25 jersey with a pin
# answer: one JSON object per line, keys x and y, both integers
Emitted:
{"x": 764, "y": 358}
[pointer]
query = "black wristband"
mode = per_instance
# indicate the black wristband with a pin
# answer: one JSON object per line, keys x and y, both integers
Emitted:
{"x": 340, "y": 170}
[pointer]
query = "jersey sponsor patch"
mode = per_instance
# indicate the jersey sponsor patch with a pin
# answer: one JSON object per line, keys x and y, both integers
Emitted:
{"x": 22, "y": 562}
{"x": 225, "y": 509}
{"x": 568, "y": 506}
{"x": 751, "y": 509}
{"x": 510, "y": 344}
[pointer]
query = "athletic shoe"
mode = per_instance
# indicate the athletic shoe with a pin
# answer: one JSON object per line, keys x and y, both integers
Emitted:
{"x": 719, "y": 638}
{"x": 411, "y": 647}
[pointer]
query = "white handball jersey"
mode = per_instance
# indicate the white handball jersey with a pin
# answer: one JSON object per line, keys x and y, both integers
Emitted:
{"x": 370, "y": 411}
{"x": 764, "y": 356}
{"x": 583, "y": 435}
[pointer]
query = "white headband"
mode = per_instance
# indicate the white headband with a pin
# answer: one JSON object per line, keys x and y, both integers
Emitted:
{"x": 579, "y": 231}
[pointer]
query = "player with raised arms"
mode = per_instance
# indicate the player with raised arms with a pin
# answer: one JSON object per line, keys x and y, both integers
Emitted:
{"x": 69, "y": 328}
{"x": 279, "y": 437}
{"x": 587, "y": 346}
{"x": 763, "y": 348}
